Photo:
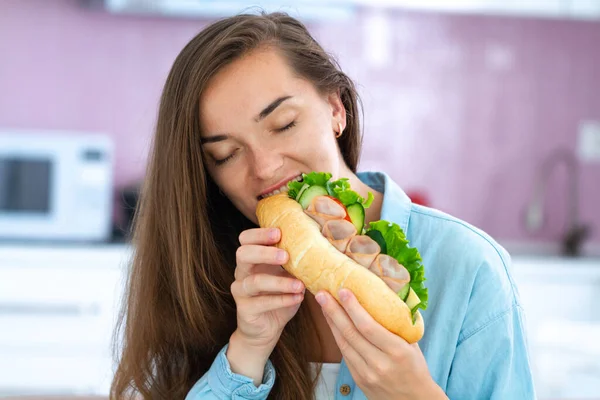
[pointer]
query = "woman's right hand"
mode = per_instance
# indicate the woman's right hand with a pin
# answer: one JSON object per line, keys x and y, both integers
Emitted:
{"x": 266, "y": 295}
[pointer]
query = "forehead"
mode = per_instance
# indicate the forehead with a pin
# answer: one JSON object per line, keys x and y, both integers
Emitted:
{"x": 244, "y": 87}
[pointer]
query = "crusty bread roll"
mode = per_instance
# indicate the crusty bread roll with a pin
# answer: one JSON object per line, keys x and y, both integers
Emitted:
{"x": 317, "y": 263}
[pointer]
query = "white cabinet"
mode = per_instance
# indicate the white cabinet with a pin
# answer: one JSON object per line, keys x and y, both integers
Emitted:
{"x": 58, "y": 308}
{"x": 57, "y": 313}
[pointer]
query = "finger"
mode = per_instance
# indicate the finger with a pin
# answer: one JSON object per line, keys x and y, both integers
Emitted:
{"x": 260, "y": 283}
{"x": 249, "y": 255}
{"x": 262, "y": 304}
{"x": 349, "y": 332}
{"x": 243, "y": 270}
{"x": 269, "y": 269}
{"x": 379, "y": 336}
{"x": 354, "y": 360}
{"x": 264, "y": 236}
{"x": 259, "y": 254}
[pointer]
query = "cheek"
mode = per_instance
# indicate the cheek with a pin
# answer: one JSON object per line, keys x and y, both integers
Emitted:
{"x": 319, "y": 147}
{"x": 234, "y": 190}
{"x": 230, "y": 184}
{"x": 315, "y": 134}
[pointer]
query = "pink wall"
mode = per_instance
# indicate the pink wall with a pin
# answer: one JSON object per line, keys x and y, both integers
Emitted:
{"x": 466, "y": 108}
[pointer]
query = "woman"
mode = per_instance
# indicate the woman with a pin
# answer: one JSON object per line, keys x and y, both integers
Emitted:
{"x": 251, "y": 103}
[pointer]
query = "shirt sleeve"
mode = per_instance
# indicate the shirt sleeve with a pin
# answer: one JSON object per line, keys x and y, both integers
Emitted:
{"x": 219, "y": 382}
{"x": 491, "y": 359}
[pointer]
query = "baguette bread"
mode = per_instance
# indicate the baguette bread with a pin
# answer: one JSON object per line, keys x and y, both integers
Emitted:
{"x": 320, "y": 266}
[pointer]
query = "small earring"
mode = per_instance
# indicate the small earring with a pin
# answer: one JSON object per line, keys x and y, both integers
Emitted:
{"x": 340, "y": 131}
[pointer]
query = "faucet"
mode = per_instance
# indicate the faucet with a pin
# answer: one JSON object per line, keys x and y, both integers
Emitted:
{"x": 576, "y": 232}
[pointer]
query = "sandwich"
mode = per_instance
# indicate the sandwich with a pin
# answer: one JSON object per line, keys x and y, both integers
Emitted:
{"x": 330, "y": 247}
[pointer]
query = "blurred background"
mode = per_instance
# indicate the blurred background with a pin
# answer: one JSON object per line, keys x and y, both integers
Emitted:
{"x": 486, "y": 109}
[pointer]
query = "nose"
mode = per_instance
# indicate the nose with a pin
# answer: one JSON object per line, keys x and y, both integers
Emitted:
{"x": 265, "y": 162}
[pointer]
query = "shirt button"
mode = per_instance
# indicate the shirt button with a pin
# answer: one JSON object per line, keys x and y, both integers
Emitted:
{"x": 345, "y": 390}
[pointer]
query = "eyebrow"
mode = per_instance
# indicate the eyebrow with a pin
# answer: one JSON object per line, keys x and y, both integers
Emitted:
{"x": 213, "y": 139}
{"x": 271, "y": 107}
{"x": 262, "y": 115}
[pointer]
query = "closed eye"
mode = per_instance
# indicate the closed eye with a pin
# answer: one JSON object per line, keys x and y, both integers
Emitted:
{"x": 278, "y": 130}
{"x": 224, "y": 160}
{"x": 285, "y": 128}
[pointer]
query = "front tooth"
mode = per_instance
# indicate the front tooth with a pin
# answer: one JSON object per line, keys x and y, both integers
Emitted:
{"x": 282, "y": 189}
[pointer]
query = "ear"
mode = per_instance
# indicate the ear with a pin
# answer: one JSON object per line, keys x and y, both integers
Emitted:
{"x": 338, "y": 112}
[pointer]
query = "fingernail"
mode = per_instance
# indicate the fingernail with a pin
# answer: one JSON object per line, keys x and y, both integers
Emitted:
{"x": 297, "y": 286}
{"x": 273, "y": 234}
{"x": 281, "y": 256}
{"x": 344, "y": 295}
{"x": 321, "y": 299}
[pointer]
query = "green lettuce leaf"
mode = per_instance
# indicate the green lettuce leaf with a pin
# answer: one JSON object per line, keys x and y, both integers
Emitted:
{"x": 294, "y": 188}
{"x": 369, "y": 200}
{"x": 347, "y": 197}
{"x": 314, "y": 178}
{"x": 340, "y": 185}
{"x": 397, "y": 247}
{"x": 340, "y": 189}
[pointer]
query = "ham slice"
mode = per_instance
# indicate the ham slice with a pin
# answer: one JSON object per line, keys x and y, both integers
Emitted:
{"x": 391, "y": 271}
{"x": 323, "y": 209}
{"x": 339, "y": 232}
{"x": 363, "y": 250}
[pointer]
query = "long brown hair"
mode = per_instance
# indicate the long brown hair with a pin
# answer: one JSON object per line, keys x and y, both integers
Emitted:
{"x": 178, "y": 311}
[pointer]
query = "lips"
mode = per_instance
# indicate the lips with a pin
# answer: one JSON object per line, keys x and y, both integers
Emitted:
{"x": 282, "y": 188}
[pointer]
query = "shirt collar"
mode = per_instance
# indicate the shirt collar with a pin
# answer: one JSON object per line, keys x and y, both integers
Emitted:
{"x": 396, "y": 203}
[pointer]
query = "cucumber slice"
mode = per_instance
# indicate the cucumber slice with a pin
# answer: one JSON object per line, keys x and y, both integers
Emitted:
{"x": 403, "y": 293}
{"x": 304, "y": 187}
{"x": 412, "y": 300}
{"x": 310, "y": 194}
{"x": 378, "y": 237}
{"x": 356, "y": 212}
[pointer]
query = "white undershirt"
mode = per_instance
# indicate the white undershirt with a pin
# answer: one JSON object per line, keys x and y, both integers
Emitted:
{"x": 325, "y": 389}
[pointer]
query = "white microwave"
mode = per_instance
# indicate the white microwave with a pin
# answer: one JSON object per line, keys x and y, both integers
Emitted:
{"x": 55, "y": 186}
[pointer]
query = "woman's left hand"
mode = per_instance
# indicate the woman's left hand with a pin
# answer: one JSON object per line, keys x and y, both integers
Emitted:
{"x": 383, "y": 365}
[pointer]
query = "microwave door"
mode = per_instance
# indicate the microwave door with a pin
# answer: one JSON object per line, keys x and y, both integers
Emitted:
{"x": 25, "y": 189}
{"x": 25, "y": 185}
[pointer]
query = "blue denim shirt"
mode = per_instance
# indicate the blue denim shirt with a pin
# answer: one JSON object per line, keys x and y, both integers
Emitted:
{"x": 475, "y": 342}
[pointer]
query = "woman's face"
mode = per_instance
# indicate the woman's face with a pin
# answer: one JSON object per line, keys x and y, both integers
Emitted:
{"x": 262, "y": 126}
